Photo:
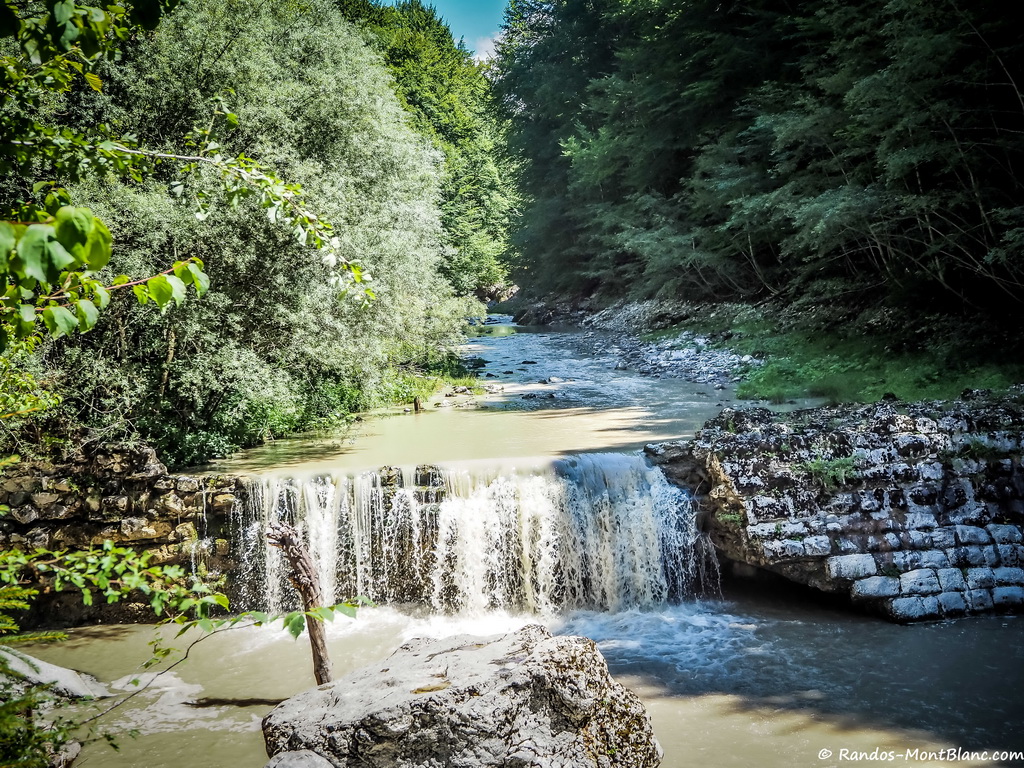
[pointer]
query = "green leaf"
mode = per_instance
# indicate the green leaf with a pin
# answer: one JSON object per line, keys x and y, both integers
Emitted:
{"x": 166, "y": 288}
{"x": 8, "y": 239}
{"x": 141, "y": 293}
{"x": 59, "y": 321}
{"x": 73, "y": 226}
{"x": 102, "y": 296}
{"x": 94, "y": 82}
{"x": 32, "y": 248}
{"x": 295, "y": 622}
{"x": 87, "y": 314}
{"x": 98, "y": 249}
{"x": 199, "y": 278}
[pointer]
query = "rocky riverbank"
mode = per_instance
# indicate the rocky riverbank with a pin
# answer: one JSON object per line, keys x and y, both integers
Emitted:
{"x": 914, "y": 511}
{"x": 628, "y": 331}
{"x": 118, "y": 493}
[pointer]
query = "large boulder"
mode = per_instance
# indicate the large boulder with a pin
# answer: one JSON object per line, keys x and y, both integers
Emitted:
{"x": 522, "y": 699}
{"x": 66, "y": 683}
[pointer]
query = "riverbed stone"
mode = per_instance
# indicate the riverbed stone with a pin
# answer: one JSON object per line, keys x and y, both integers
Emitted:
{"x": 302, "y": 758}
{"x": 920, "y": 582}
{"x": 60, "y": 680}
{"x": 522, "y": 699}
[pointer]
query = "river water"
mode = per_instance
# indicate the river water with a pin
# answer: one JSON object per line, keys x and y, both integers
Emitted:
{"x": 540, "y": 509}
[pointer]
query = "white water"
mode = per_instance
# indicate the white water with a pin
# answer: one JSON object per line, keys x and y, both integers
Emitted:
{"x": 594, "y": 531}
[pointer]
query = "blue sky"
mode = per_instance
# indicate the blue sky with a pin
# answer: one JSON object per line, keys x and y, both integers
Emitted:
{"x": 476, "y": 21}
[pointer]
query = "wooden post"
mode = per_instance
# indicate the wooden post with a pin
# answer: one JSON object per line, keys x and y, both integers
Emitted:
{"x": 304, "y": 578}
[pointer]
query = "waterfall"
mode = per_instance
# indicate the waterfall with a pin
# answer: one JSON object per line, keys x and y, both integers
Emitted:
{"x": 600, "y": 531}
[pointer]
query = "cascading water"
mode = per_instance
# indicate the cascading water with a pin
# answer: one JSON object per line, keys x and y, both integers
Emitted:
{"x": 600, "y": 531}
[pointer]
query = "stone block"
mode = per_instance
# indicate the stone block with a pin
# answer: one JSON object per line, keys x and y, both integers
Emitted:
{"x": 1005, "y": 534}
{"x": 991, "y": 555}
{"x": 762, "y": 531}
{"x": 934, "y": 558}
{"x": 45, "y": 499}
{"x": 1008, "y": 597}
{"x": 850, "y": 546}
{"x": 971, "y": 534}
{"x": 851, "y": 566}
{"x": 164, "y": 483}
{"x": 943, "y": 538}
{"x": 966, "y": 557}
{"x": 1011, "y": 554}
{"x": 817, "y": 546}
{"x": 952, "y": 604}
{"x": 27, "y": 514}
{"x": 783, "y": 550}
{"x": 979, "y": 600}
{"x": 951, "y": 579}
{"x": 920, "y": 582}
{"x": 919, "y": 540}
{"x": 906, "y": 561}
{"x": 875, "y": 587}
{"x": 223, "y": 502}
{"x": 1008, "y": 576}
{"x": 187, "y": 484}
{"x": 138, "y": 529}
{"x": 914, "y": 608}
{"x": 793, "y": 529}
{"x": 980, "y": 578}
{"x": 921, "y": 521}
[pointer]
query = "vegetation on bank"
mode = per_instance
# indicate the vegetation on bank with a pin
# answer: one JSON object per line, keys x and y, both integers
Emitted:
{"x": 826, "y": 353}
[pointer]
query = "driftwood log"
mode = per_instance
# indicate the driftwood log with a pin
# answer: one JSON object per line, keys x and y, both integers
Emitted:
{"x": 303, "y": 577}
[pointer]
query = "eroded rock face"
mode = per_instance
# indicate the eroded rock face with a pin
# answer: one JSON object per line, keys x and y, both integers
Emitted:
{"x": 523, "y": 699}
{"x": 116, "y": 492}
{"x": 911, "y": 510}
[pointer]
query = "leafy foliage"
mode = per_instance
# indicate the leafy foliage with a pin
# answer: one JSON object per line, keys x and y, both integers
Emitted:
{"x": 273, "y": 347}
{"x": 448, "y": 96}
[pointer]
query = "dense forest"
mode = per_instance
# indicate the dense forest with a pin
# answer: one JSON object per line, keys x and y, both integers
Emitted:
{"x": 384, "y": 121}
{"x": 867, "y": 155}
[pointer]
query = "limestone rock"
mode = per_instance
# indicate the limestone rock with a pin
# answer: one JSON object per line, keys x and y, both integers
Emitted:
{"x": 61, "y": 681}
{"x": 523, "y": 699}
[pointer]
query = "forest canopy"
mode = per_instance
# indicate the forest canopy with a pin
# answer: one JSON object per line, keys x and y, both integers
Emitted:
{"x": 865, "y": 154}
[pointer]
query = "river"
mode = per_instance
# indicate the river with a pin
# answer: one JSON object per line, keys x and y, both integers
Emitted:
{"x": 538, "y": 507}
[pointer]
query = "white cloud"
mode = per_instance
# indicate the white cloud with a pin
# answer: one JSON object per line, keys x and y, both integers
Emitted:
{"x": 483, "y": 48}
